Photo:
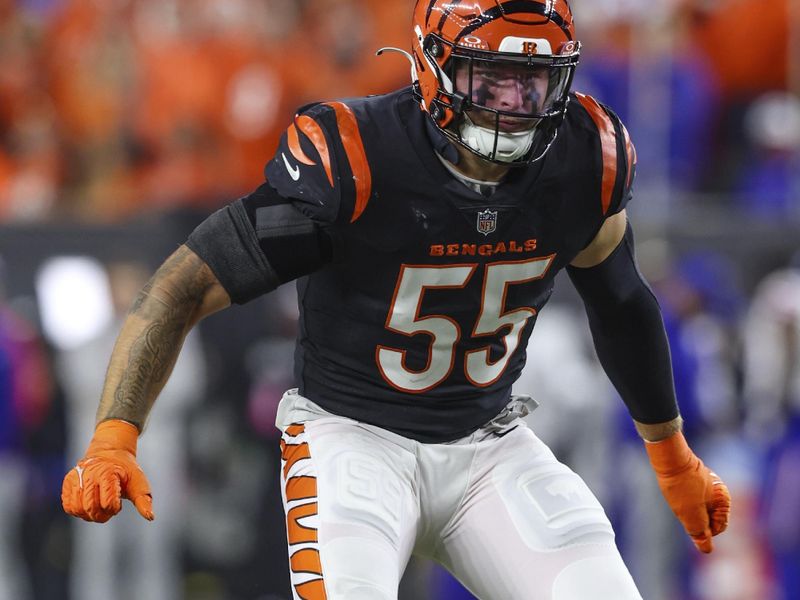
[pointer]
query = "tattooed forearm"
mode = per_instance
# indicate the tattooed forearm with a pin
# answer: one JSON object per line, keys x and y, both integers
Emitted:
{"x": 151, "y": 357}
{"x": 152, "y": 336}
{"x": 137, "y": 305}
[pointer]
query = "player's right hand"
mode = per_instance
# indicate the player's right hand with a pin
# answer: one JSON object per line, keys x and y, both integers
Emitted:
{"x": 93, "y": 490}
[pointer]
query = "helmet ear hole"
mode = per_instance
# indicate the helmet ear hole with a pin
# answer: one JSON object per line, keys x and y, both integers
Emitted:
{"x": 433, "y": 47}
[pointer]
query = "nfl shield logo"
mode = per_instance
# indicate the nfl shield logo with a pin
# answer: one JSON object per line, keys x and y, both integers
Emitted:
{"x": 487, "y": 221}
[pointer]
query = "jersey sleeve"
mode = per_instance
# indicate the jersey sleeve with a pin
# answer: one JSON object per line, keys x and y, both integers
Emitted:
{"x": 618, "y": 156}
{"x": 321, "y": 164}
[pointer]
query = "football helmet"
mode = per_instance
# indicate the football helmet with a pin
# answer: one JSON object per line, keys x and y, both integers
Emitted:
{"x": 495, "y": 75}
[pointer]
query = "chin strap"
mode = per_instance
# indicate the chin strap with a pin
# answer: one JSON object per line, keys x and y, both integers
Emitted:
{"x": 510, "y": 146}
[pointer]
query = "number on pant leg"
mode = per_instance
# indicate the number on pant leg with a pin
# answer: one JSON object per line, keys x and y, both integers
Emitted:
{"x": 367, "y": 489}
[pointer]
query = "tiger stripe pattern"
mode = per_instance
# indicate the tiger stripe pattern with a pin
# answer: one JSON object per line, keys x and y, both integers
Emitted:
{"x": 314, "y": 132}
{"x": 608, "y": 143}
{"x": 356, "y": 155}
{"x": 459, "y": 21}
{"x": 299, "y": 492}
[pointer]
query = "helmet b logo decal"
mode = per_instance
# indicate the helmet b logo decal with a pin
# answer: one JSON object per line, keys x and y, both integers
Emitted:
{"x": 487, "y": 221}
{"x": 529, "y": 46}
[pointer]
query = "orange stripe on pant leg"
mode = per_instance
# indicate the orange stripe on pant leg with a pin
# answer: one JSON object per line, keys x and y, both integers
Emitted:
{"x": 301, "y": 488}
{"x": 314, "y": 132}
{"x": 296, "y": 532}
{"x": 354, "y": 147}
{"x": 608, "y": 142}
{"x": 295, "y": 429}
{"x": 292, "y": 453}
{"x": 311, "y": 590}
{"x": 306, "y": 561}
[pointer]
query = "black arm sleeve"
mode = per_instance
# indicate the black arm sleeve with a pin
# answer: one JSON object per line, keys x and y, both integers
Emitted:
{"x": 628, "y": 333}
{"x": 259, "y": 242}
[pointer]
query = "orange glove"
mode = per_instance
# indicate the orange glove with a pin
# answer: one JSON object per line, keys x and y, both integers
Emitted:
{"x": 94, "y": 489}
{"x": 696, "y": 495}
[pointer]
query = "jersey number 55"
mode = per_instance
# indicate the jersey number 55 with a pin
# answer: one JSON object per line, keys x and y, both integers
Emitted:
{"x": 445, "y": 332}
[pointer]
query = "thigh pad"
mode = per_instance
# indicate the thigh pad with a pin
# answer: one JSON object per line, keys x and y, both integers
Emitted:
{"x": 551, "y": 506}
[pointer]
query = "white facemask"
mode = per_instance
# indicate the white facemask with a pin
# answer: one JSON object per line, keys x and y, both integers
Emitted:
{"x": 510, "y": 146}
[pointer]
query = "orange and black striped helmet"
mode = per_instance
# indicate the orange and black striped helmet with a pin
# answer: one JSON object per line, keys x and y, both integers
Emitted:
{"x": 478, "y": 35}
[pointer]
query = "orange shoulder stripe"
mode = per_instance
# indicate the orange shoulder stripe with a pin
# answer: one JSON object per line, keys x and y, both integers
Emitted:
{"x": 314, "y": 132}
{"x": 608, "y": 142}
{"x": 630, "y": 153}
{"x": 354, "y": 147}
{"x": 294, "y": 146}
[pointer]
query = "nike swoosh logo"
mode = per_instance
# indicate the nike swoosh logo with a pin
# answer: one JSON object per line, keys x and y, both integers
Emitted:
{"x": 294, "y": 172}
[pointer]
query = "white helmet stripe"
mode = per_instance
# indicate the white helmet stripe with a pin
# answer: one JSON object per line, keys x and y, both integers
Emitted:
{"x": 521, "y": 45}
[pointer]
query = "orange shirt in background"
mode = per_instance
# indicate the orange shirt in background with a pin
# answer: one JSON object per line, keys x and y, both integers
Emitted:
{"x": 747, "y": 42}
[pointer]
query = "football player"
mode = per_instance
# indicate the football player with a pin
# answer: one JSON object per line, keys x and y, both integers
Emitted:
{"x": 425, "y": 228}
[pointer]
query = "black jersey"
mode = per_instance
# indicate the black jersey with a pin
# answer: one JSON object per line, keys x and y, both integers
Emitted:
{"x": 419, "y": 319}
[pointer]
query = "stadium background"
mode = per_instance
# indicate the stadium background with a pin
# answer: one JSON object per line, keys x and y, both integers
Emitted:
{"x": 124, "y": 122}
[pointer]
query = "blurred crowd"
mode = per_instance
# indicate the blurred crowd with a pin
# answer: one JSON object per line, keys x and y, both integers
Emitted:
{"x": 710, "y": 92}
{"x": 111, "y": 110}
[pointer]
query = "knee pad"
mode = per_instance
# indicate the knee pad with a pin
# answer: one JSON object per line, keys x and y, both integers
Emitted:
{"x": 355, "y": 589}
{"x": 358, "y": 568}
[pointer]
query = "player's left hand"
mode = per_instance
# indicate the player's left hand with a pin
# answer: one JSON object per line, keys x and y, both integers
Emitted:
{"x": 696, "y": 495}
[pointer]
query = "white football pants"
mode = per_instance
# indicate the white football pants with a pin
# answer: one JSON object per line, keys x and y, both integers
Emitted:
{"x": 494, "y": 508}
